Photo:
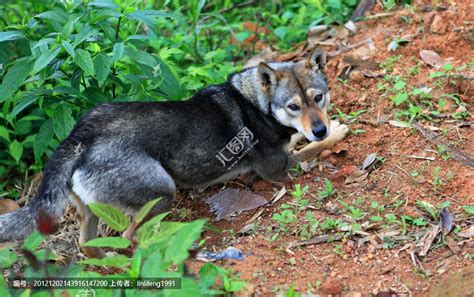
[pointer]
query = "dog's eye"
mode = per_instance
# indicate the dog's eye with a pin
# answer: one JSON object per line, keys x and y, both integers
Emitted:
{"x": 318, "y": 98}
{"x": 294, "y": 107}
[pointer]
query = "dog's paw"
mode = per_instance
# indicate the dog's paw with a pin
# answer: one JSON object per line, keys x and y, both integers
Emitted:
{"x": 338, "y": 131}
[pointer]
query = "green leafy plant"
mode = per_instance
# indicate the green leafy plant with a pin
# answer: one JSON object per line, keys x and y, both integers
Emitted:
{"x": 159, "y": 252}
{"x": 327, "y": 191}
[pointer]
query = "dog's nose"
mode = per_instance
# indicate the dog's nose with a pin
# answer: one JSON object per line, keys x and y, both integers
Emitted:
{"x": 320, "y": 131}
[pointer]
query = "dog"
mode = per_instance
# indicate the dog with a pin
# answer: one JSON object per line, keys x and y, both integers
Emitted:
{"x": 126, "y": 154}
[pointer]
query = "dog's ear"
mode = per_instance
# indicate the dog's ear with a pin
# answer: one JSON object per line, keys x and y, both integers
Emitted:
{"x": 317, "y": 60}
{"x": 267, "y": 76}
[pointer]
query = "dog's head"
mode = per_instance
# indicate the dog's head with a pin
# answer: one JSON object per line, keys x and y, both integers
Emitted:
{"x": 298, "y": 94}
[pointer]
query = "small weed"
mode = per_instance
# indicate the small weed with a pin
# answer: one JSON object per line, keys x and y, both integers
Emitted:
{"x": 337, "y": 249}
{"x": 350, "y": 118}
{"x": 469, "y": 209}
{"x": 429, "y": 208}
{"x": 328, "y": 190}
{"x": 390, "y": 62}
{"x": 437, "y": 181}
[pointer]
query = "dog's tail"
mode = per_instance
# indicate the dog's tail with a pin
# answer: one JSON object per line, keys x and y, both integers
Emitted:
{"x": 52, "y": 196}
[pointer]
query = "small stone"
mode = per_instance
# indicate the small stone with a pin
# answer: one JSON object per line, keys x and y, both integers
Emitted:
{"x": 325, "y": 154}
{"x": 370, "y": 256}
{"x": 371, "y": 249}
{"x": 439, "y": 25}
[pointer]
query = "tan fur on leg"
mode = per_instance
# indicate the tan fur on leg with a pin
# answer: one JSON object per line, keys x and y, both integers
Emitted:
{"x": 89, "y": 223}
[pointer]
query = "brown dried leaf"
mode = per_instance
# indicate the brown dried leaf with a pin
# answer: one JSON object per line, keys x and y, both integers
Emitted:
{"x": 467, "y": 233}
{"x": 307, "y": 166}
{"x": 278, "y": 195}
{"x": 357, "y": 176}
{"x": 399, "y": 124}
{"x": 263, "y": 56}
{"x": 431, "y": 58}
{"x": 233, "y": 201}
{"x": 452, "y": 244}
{"x": 317, "y": 30}
{"x": 7, "y": 205}
{"x": 428, "y": 239}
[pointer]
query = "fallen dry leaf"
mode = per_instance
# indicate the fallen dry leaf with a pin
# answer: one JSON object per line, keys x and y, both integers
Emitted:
{"x": 357, "y": 176}
{"x": 233, "y": 201}
{"x": 428, "y": 239}
{"x": 263, "y": 56}
{"x": 452, "y": 244}
{"x": 467, "y": 233}
{"x": 7, "y": 205}
{"x": 431, "y": 58}
{"x": 399, "y": 124}
{"x": 307, "y": 166}
{"x": 278, "y": 195}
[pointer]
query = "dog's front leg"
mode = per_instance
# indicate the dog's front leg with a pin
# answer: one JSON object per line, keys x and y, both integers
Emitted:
{"x": 337, "y": 134}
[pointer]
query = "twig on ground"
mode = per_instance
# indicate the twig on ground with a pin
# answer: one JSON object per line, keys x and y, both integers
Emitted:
{"x": 349, "y": 47}
{"x": 315, "y": 240}
{"x": 379, "y": 15}
{"x": 461, "y": 157}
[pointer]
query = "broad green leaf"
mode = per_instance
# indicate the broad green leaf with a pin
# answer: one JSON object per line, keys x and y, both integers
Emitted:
{"x": 241, "y": 36}
{"x": 4, "y": 133}
{"x": 113, "y": 242}
{"x": 15, "y": 77}
{"x": 43, "y": 42}
{"x": 145, "y": 210}
{"x": 149, "y": 17}
{"x": 33, "y": 241}
{"x": 25, "y": 101}
{"x": 11, "y": 35}
{"x": 400, "y": 98}
{"x": 399, "y": 85}
{"x": 103, "y": 3}
{"x": 281, "y": 32}
{"x": 53, "y": 15}
{"x": 63, "y": 122}
{"x": 7, "y": 258}
{"x": 84, "y": 60}
{"x": 140, "y": 56}
{"x": 120, "y": 261}
{"x": 179, "y": 244}
{"x": 44, "y": 59}
{"x": 43, "y": 138}
{"x": 170, "y": 86}
{"x": 207, "y": 275}
{"x": 102, "y": 64}
{"x": 85, "y": 32}
{"x": 117, "y": 52}
{"x": 152, "y": 266}
{"x": 16, "y": 150}
{"x": 135, "y": 264}
{"x": 150, "y": 229}
{"x": 69, "y": 49}
{"x": 110, "y": 215}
